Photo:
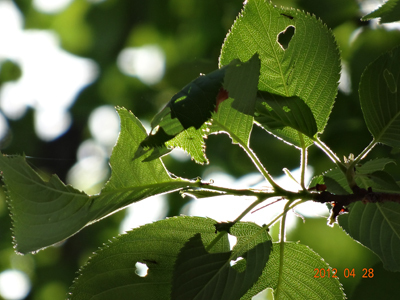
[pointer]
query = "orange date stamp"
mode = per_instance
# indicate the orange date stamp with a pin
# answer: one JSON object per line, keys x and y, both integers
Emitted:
{"x": 333, "y": 273}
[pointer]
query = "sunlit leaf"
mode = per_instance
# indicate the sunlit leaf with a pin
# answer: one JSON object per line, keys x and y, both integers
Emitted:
{"x": 235, "y": 115}
{"x": 291, "y": 68}
{"x": 111, "y": 273}
{"x": 189, "y": 109}
{"x": 191, "y": 141}
{"x": 388, "y": 12}
{"x": 298, "y": 282}
{"x": 379, "y": 97}
{"x": 47, "y": 212}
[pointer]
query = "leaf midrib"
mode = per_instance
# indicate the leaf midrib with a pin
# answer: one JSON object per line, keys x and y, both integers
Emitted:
{"x": 273, "y": 50}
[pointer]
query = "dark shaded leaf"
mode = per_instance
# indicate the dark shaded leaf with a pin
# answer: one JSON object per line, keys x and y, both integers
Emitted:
{"x": 376, "y": 226}
{"x": 298, "y": 280}
{"x": 379, "y": 96}
{"x": 275, "y": 112}
{"x": 202, "y": 275}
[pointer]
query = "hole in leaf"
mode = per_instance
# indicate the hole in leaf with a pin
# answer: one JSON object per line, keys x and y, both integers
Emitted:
{"x": 285, "y": 37}
{"x": 141, "y": 269}
{"x": 286, "y": 109}
{"x": 232, "y": 240}
{"x": 239, "y": 264}
{"x": 234, "y": 262}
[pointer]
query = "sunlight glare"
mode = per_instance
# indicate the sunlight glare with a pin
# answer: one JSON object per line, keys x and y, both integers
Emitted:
{"x": 50, "y": 123}
{"x": 3, "y": 127}
{"x": 14, "y": 285}
{"x": 51, "y": 6}
{"x": 143, "y": 212}
{"x": 51, "y": 77}
{"x": 91, "y": 168}
{"x": 104, "y": 125}
{"x": 147, "y": 63}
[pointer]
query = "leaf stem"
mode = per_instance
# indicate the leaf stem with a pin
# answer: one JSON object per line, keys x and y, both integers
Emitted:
{"x": 248, "y": 209}
{"x": 237, "y": 192}
{"x": 261, "y": 168}
{"x": 330, "y": 154}
{"x": 303, "y": 165}
{"x": 252, "y": 155}
{"x": 281, "y": 250}
{"x": 363, "y": 153}
{"x": 285, "y": 211}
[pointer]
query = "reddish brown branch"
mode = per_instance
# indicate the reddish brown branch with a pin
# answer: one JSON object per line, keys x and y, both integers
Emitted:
{"x": 340, "y": 202}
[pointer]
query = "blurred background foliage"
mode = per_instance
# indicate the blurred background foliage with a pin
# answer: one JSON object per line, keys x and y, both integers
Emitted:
{"x": 137, "y": 54}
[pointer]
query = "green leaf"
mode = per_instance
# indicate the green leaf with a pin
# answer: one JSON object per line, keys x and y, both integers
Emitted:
{"x": 111, "y": 272}
{"x": 388, "y": 12}
{"x": 189, "y": 109}
{"x": 275, "y": 112}
{"x": 202, "y": 275}
{"x": 337, "y": 187}
{"x": 235, "y": 115}
{"x": 381, "y": 181}
{"x": 374, "y": 165}
{"x": 367, "y": 175}
{"x": 191, "y": 141}
{"x": 376, "y": 226}
{"x": 379, "y": 97}
{"x": 47, "y": 212}
{"x": 294, "y": 71}
{"x": 298, "y": 282}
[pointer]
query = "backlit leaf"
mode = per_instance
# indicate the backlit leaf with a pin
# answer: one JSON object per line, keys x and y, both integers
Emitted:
{"x": 111, "y": 273}
{"x": 202, "y": 275}
{"x": 235, "y": 115}
{"x": 189, "y": 109}
{"x": 306, "y": 66}
{"x": 47, "y": 212}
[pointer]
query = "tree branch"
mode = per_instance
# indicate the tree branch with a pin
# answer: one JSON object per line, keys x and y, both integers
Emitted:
{"x": 340, "y": 202}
